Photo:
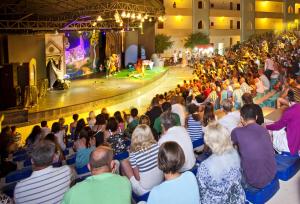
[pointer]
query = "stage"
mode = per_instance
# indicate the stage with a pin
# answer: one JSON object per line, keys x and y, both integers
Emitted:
{"x": 87, "y": 93}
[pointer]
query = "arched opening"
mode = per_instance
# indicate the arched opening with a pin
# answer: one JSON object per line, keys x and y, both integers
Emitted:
{"x": 200, "y": 25}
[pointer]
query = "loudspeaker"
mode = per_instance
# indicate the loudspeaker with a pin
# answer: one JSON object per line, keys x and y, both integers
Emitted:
{"x": 8, "y": 83}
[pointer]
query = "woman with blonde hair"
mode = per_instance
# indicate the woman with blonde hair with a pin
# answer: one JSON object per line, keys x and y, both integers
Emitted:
{"x": 142, "y": 169}
{"x": 219, "y": 177}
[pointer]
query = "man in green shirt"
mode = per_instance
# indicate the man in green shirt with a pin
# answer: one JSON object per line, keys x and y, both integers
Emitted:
{"x": 103, "y": 186}
{"x": 166, "y": 106}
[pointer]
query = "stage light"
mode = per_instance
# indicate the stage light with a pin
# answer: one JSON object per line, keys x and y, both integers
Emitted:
{"x": 146, "y": 17}
{"x": 56, "y": 32}
{"x": 94, "y": 24}
{"x": 141, "y": 25}
{"x": 150, "y": 19}
{"x": 133, "y": 15}
{"x": 139, "y": 16}
{"x": 142, "y": 20}
{"x": 133, "y": 29}
{"x": 79, "y": 32}
{"x": 99, "y": 18}
{"x": 121, "y": 24}
{"x": 128, "y": 15}
{"x": 123, "y": 15}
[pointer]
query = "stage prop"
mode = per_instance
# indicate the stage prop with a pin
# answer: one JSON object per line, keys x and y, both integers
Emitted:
{"x": 113, "y": 65}
{"x": 55, "y": 57}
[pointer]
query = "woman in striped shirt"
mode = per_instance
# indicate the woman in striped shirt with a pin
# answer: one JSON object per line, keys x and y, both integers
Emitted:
{"x": 142, "y": 169}
{"x": 194, "y": 126}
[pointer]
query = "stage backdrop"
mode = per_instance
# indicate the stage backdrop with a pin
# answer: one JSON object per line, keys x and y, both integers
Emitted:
{"x": 55, "y": 57}
{"x": 82, "y": 53}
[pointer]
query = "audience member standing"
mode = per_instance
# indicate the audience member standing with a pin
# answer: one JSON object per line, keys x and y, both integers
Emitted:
{"x": 155, "y": 111}
{"x": 255, "y": 148}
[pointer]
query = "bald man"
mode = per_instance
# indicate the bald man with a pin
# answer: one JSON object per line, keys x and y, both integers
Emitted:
{"x": 103, "y": 186}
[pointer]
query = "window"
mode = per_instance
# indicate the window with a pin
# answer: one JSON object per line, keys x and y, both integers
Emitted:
{"x": 231, "y": 24}
{"x": 200, "y": 5}
{"x": 238, "y": 25}
{"x": 200, "y": 25}
{"x": 231, "y": 6}
{"x": 160, "y": 25}
{"x": 212, "y": 5}
{"x": 238, "y": 7}
{"x": 212, "y": 24}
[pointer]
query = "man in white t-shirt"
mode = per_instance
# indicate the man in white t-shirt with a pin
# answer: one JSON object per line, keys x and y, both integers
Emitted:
{"x": 231, "y": 119}
{"x": 179, "y": 135}
{"x": 46, "y": 183}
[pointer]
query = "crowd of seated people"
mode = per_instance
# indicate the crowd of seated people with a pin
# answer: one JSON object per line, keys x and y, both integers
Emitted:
{"x": 159, "y": 144}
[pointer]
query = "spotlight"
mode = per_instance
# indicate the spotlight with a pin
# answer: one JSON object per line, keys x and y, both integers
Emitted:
{"x": 94, "y": 24}
{"x": 139, "y": 16}
{"x": 123, "y": 14}
{"x": 133, "y": 15}
{"x": 142, "y": 20}
{"x": 79, "y": 32}
{"x": 150, "y": 19}
{"x": 99, "y": 18}
{"x": 146, "y": 16}
{"x": 128, "y": 15}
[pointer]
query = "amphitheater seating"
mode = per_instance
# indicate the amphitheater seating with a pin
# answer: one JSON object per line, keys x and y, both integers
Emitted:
{"x": 20, "y": 157}
{"x": 19, "y": 152}
{"x": 198, "y": 143}
{"x": 121, "y": 156}
{"x": 69, "y": 144}
{"x": 202, "y": 157}
{"x": 260, "y": 196}
{"x": 18, "y": 175}
{"x": 71, "y": 160}
{"x": 287, "y": 166}
{"x": 140, "y": 198}
{"x": 66, "y": 152}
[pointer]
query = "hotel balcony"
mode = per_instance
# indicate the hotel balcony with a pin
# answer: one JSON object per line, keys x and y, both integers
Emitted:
{"x": 268, "y": 15}
{"x": 224, "y": 32}
{"x": 224, "y": 12}
{"x": 179, "y": 11}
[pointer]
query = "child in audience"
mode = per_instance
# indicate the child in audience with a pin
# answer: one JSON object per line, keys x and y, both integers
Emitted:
{"x": 84, "y": 146}
{"x": 179, "y": 188}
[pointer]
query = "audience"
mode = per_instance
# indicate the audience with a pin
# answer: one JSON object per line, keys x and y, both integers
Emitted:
{"x": 232, "y": 118}
{"x": 74, "y": 123}
{"x": 59, "y": 134}
{"x": 91, "y": 120}
{"x": 219, "y": 177}
{"x": 114, "y": 137}
{"x": 194, "y": 125}
{"x": 58, "y": 156}
{"x": 103, "y": 186}
{"x": 84, "y": 146}
{"x": 33, "y": 138}
{"x": 142, "y": 171}
{"x": 255, "y": 148}
{"x": 179, "y": 188}
{"x": 100, "y": 124}
{"x": 45, "y": 130}
{"x": 155, "y": 111}
{"x": 46, "y": 183}
{"x": 247, "y": 99}
{"x": 178, "y": 134}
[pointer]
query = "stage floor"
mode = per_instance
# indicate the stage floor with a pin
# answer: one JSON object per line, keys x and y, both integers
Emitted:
{"x": 95, "y": 88}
